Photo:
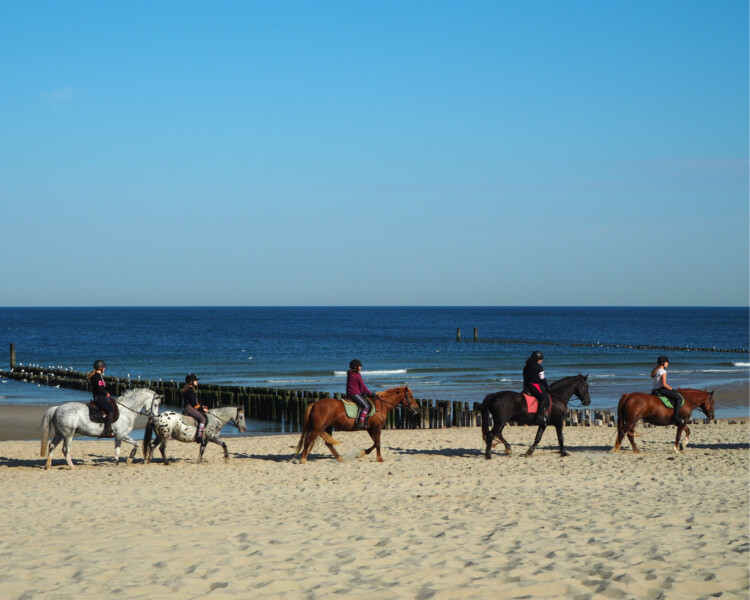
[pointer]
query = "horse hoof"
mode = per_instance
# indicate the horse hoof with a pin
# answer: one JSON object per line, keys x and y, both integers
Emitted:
{"x": 380, "y": 460}
{"x": 562, "y": 454}
{"x": 614, "y": 450}
{"x": 362, "y": 453}
{"x": 508, "y": 452}
{"x": 303, "y": 461}
{"x": 340, "y": 458}
{"x": 488, "y": 456}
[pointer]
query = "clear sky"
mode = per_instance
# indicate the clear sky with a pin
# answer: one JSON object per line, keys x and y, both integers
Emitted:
{"x": 374, "y": 153}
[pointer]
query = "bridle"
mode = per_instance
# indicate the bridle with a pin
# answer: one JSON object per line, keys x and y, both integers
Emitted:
{"x": 406, "y": 396}
{"x": 149, "y": 413}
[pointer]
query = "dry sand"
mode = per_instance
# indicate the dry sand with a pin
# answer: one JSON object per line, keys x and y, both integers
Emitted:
{"x": 436, "y": 520}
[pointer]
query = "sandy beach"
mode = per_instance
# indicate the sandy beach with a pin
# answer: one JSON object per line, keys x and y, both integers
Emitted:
{"x": 435, "y": 520}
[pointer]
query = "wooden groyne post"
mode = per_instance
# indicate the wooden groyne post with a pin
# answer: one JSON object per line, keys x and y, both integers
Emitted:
{"x": 12, "y": 356}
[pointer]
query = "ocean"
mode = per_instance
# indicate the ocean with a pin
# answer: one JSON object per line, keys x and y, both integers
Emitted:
{"x": 310, "y": 348}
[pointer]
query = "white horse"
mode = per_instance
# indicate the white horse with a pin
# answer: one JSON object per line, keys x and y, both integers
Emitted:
{"x": 170, "y": 425}
{"x": 73, "y": 417}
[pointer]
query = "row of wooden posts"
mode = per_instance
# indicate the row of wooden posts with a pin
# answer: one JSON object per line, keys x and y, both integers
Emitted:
{"x": 284, "y": 406}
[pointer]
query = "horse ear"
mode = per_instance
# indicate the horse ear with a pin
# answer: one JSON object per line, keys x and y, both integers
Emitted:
{"x": 586, "y": 377}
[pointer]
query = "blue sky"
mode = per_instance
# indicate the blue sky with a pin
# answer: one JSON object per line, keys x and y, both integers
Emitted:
{"x": 374, "y": 153}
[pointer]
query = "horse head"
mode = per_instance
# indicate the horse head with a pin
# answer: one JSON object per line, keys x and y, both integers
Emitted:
{"x": 239, "y": 420}
{"x": 582, "y": 389}
{"x": 409, "y": 402}
{"x": 707, "y": 407}
{"x": 153, "y": 409}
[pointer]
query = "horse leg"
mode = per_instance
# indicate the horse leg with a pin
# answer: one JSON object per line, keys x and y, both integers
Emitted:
{"x": 66, "y": 451}
{"x": 677, "y": 439}
{"x": 133, "y": 452}
{"x": 559, "y": 429}
{"x": 336, "y": 455}
{"x": 508, "y": 451}
{"x": 312, "y": 436}
{"x": 52, "y": 445}
{"x": 118, "y": 443}
{"x": 537, "y": 439}
{"x": 376, "y": 438}
{"x": 163, "y": 450}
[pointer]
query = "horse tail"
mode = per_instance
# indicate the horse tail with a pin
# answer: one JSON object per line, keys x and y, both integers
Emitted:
{"x": 46, "y": 425}
{"x": 147, "y": 437}
{"x": 486, "y": 419}
{"x": 305, "y": 429}
{"x": 622, "y": 413}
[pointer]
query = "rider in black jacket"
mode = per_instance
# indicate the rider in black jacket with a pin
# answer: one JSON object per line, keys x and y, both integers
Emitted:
{"x": 535, "y": 383}
{"x": 102, "y": 397}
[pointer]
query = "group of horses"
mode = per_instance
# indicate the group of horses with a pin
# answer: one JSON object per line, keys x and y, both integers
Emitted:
{"x": 328, "y": 414}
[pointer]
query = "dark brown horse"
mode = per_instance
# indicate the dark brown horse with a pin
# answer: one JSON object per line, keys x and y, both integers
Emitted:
{"x": 634, "y": 407}
{"x": 325, "y": 414}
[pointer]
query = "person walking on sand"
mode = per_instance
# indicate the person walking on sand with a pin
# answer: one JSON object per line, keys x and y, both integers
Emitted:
{"x": 660, "y": 387}
{"x": 356, "y": 390}
{"x": 192, "y": 406}
{"x": 102, "y": 397}
{"x": 535, "y": 383}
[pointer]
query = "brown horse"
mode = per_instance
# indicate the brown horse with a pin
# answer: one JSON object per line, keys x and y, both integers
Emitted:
{"x": 634, "y": 407}
{"x": 325, "y": 414}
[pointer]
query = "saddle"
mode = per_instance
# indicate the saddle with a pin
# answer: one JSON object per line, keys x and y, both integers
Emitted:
{"x": 352, "y": 408}
{"x": 667, "y": 402}
{"x": 97, "y": 415}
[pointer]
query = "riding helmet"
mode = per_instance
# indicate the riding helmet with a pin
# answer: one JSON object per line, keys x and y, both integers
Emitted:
{"x": 661, "y": 360}
{"x": 536, "y": 355}
{"x": 99, "y": 364}
{"x": 354, "y": 364}
{"x": 191, "y": 377}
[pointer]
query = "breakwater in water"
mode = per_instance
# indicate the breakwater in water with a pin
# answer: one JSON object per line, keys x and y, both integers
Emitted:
{"x": 285, "y": 406}
{"x": 479, "y": 340}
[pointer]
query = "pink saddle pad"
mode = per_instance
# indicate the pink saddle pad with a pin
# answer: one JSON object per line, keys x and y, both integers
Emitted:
{"x": 531, "y": 403}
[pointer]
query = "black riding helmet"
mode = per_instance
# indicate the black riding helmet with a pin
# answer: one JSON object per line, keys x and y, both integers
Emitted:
{"x": 354, "y": 364}
{"x": 536, "y": 355}
{"x": 99, "y": 364}
{"x": 191, "y": 377}
{"x": 661, "y": 360}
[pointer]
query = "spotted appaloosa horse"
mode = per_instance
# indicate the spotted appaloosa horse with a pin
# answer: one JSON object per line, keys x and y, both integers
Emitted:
{"x": 73, "y": 417}
{"x": 634, "y": 407}
{"x": 326, "y": 413}
{"x": 170, "y": 425}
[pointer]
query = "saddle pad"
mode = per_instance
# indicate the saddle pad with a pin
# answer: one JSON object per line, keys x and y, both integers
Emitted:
{"x": 532, "y": 404}
{"x": 352, "y": 409}
{"x": 96, "y": 414}
{"x": 668, "y": 403}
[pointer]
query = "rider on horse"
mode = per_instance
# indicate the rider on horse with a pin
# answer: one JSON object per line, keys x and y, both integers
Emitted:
{"x": 102, "y": 397}
{"x": 535, "y": 383}
{"x": 356, "y": 390}
{"x": 192, "y": 406}
{"x": 661, "y": 388}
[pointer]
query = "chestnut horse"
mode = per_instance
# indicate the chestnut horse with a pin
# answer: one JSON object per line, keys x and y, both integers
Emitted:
{"x": 634, "y": 407}
{"x": 325, "y": 414}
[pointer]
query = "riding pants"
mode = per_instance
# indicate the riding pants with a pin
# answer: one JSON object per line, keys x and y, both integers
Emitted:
{"x": 198, "y": 415}
{"x": 103, "y": 403}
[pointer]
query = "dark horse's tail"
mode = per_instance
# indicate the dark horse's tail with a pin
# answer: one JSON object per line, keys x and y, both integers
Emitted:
{"x": 147, "y": 438}
{"x": 486, "y": 419}
{"x": 305, "y": 430}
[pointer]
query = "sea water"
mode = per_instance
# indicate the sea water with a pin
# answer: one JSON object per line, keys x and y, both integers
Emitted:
{"x": 310, "y": 347}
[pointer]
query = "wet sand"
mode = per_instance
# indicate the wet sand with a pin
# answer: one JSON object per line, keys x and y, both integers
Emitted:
{"x": 435, "y": 520}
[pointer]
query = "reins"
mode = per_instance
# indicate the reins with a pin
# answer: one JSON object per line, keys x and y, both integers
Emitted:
{"x": 218, "y": 418}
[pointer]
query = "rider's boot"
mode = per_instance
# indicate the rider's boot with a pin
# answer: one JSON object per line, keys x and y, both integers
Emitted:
{"x": 108, "y": 433}
{"x": 676, "y": 419}
{"x": 362, "y": 418}
{"x": 199, "y": 433}
{"x": 541, "y": 416}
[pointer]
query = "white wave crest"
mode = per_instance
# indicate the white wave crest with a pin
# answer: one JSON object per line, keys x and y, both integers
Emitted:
{"x": 375, "y": 373}
{"x": 741, "y": 364}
